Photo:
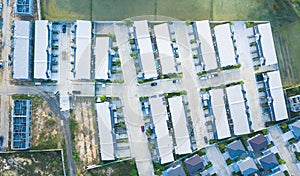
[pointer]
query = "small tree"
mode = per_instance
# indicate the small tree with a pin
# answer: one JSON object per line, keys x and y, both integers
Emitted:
{"x": 118, "y": 63}
{"x": 102, "y": 98}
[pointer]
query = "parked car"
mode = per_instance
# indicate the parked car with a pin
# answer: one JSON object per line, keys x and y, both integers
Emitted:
{"x": 143, "y": 129}
{"x": 176, "y": 81}
{"x": 1, "y": 64}
{"x": 1, "y": 141}
{"x": 153, "y": 84}
{"x": 64, "y": 28}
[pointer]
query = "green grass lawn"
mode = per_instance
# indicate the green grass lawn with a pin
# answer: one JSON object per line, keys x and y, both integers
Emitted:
{"x": 183, "y": 10}
{"x": 127, "y": 167}
{"x": 276, "y": 11}
{"x": 287, "y": 42}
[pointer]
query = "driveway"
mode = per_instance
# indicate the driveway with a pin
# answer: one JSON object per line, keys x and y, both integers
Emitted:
{"x": 215, "y": 157}
{"x": 275, "y": 133}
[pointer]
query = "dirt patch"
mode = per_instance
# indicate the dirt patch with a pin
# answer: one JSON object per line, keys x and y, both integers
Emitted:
{"x": 45, "y": 128}
{"x": 85, "y": 142}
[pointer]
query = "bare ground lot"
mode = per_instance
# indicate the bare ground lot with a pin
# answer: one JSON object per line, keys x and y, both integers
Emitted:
{"x": 83, "y": 127}
{"x": 31, "y": 163}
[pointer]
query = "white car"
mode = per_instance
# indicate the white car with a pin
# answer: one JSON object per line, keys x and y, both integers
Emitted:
{"x": 203, "y": 77}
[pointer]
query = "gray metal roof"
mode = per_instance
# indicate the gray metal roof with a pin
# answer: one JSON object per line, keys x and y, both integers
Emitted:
{"x": 83, "y": 50}
{"x": 21, "y": 52}
{"x": 41, "y": 42}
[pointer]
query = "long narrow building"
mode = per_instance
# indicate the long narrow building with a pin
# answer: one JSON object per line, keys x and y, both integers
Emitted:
{"x": 145, "y": 50}
{"x": 208, "y": 53}
{"x": 182, "y": 137}
{"x": 164, "y": 140}
{"x": 219, "y": 112}
{"x": 165, "y": 50}
{"x": 42, "y": 50}
{"x": 83, "y": 50}
{"x": 277, "y": 101}
{"x": 237, "y": 110}
{"x": 225, "y": 45}
{"x": 267, "y": 44}
{"x": 105, "y": 131}
{"x": 102, "y": 58}
{"x": 21, "y": 50}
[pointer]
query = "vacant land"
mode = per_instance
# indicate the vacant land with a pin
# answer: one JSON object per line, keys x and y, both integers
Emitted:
{"x": 127, "y": 167}
{"x": 31, "y": 163}
{"x": 279, "y": 12}
{"x": 84, "y": 133}
{"x": 276, "y": 11}
{"x": 287, "y": 42}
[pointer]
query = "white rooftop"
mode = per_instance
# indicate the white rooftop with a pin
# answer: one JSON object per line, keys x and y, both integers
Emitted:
{"x": 237, "y": 110}
{"x": 105, "y": 131}
{"x": 267, "y": 43}
{"x": 219, "y": 111}
{"x": 64, "y": 103}
{"x": 21, "y": 54}
{"x": 40, "y": 50}
{"x": 182, "y": 136}
{"x": 141, "y": 29}
{"x": 101, "y": 58}
{"x": 146, "y": 51}
{"x": 225, "y": 45}
{"x": 164, "y": 47}
{"x": 206, "y": 43}
{"x": 83, "y": 50}
{"x": 164, "y": 141}
{"x": 276, "y": 90}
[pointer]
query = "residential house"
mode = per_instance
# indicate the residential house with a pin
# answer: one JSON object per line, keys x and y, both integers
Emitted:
{"x": 193, "y": 164}
{"x": 235, "y": 149}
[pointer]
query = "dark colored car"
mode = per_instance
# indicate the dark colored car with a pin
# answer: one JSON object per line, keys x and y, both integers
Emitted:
{"x": 64, "y": 28}
{"x": 153, "y": 84}
{"x": 143, "y": 129}
{"x": 1, "y": 141}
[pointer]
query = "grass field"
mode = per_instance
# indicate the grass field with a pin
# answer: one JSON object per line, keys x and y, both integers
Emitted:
{"x": 287, "y": 42}
{"x": 127, "y": 167}
{"x": 31, "y": 163}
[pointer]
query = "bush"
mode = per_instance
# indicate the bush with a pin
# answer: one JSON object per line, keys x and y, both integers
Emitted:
{"x": 229, "y": 161}
{"x": 284, "y": 127}
{"x": 131, "y": 41}
{"x": 115, "y": 48}
{"x": 158, "y": 168}
{"x": 118, "y": 63}
{"x": 188, "y": 22}
{"x": 265, "y": 131}
{"x": 222, "y": 147}
{"x": 134, "y": 55}
{"x": 261, "y": 89}
{"x": 193, "y": 41}
{"x": 212, "y": 141}
{"x": 297, "y": 154}
{"x": 293, "y": 140}
{"x": 201, "y": 152}
{"x": 202, "y": 73}
{"x": 281, "y": 161}
{"x": 103, "y": 98}
{"x": 209, "y": 164}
